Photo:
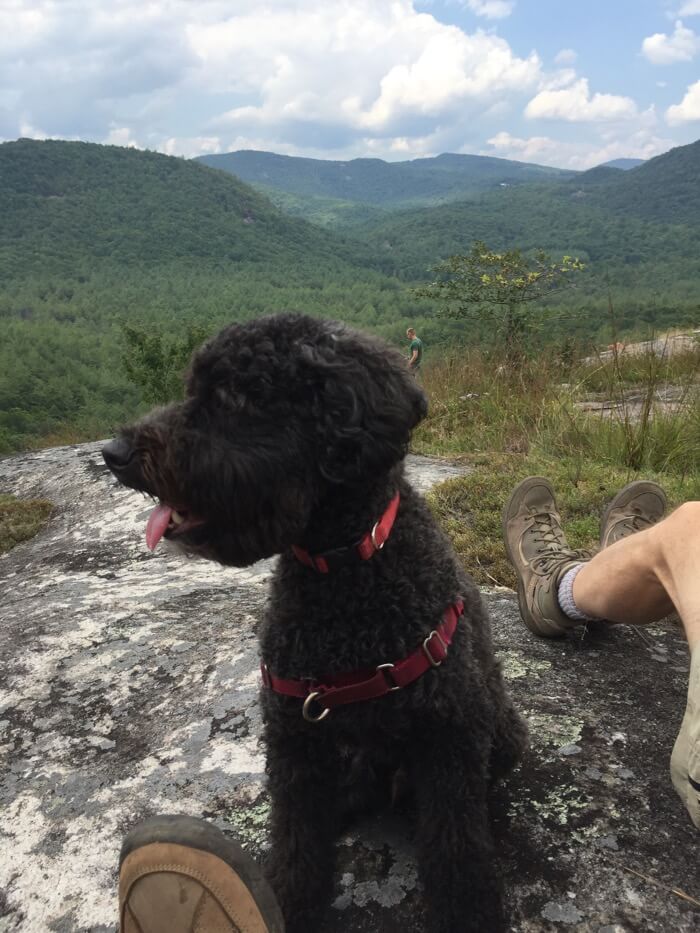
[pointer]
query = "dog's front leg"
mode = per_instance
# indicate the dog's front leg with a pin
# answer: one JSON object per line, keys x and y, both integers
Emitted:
{"x": 455, "y": 848}
{"x": 303, "y": 776}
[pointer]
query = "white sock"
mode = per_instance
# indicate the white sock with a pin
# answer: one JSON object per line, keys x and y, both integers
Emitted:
{"x": 565, "y": 595}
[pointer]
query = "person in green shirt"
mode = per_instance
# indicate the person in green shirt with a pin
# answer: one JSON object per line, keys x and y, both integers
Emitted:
{"x": 416, "y": 351}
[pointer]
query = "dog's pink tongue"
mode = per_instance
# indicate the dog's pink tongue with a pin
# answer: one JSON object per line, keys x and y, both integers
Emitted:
{"x": 158, "y": 521}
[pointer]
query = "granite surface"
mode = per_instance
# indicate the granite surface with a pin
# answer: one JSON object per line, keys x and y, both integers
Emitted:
{"x": 128, "y": 686}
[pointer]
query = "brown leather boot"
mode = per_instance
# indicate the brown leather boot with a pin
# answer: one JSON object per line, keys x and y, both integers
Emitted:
{"x": 538, "y": 550}
{"x": 181, "y": 875}
{"x": 636, "y": 507}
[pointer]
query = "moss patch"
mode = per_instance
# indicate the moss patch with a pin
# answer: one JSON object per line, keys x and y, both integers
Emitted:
{"x": 250, "y": 823}
{"x": 515, "y": 664}
{"x": 553, "y": 731}
{"x": 21, "y": 519}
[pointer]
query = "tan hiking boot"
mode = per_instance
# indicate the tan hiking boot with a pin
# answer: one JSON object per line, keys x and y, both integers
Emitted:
{"x": 636, "y": 507}
{"x": 538, "y": 550}
{"x": 181, "y": 875}
{"x": 685, "y": 760}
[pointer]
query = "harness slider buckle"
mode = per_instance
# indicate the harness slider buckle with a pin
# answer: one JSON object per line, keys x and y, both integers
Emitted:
{"x": 388, "y": 677}
{"x": 427, "y": 652}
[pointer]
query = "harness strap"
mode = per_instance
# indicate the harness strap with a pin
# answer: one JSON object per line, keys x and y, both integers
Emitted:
{"x": 365, "y": 548}
{"x": 369, "y": 684}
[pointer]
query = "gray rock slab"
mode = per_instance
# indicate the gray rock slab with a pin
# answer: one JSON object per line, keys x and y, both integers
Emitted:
{"x": 129, "y": 687}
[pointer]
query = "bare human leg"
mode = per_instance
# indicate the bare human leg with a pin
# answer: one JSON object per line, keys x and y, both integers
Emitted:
{"x": 647, "y": 576}
{"x": 647, "y": 569}
{"x": 641, "y": 579}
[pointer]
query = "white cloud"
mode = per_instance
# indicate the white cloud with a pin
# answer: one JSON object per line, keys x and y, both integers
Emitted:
{"x": 690, "y": 8}
{"x": 340, "y": 79}
{"x": 581, "y": 155}
{"x": 681, "y": 46}
{"x": 565, "y": 57}
{"x": 190, "y": 146}
{"x": 375, "y": 68}
{"x": 575, "y": 104}
{"x": 96, "y": 58}
{"x": 533, "y": 149}
{"x": 689, "y": 108}
{"x": 121, "y": 136}
{"x": 186, "y": 77}
{"x": 491, "y": 9}
{"x": 27, "y": 131}
{"x": 555, "y": 80}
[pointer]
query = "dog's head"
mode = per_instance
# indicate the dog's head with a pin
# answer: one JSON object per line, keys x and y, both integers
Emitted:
{"x": 278, "y": 412}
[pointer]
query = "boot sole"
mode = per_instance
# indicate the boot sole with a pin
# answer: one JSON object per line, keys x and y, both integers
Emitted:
{"x": 198, "y": 834}
{"x": 547, "y": 631}
{"x": 635, "y": 488}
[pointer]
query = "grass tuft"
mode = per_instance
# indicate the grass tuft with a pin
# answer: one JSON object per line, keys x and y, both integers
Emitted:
{"x": 21, "y": 519}
{"x": 507, "y": 424}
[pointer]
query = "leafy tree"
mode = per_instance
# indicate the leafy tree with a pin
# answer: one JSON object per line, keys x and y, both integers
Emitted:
{"x": 157, "y": 365}
{"x": 499, "y": 288}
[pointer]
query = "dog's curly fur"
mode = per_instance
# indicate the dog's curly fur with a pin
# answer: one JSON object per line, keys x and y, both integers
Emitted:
{"x": 294, "y": 431}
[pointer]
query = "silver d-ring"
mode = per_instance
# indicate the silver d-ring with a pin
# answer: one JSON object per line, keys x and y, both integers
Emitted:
{"x": 305, "y": 710}
{"x": 373, "y": 536}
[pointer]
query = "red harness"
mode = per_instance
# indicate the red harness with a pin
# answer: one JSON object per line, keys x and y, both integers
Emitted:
{"x": 365, "y": 548}
{"x": 338, "y": 689}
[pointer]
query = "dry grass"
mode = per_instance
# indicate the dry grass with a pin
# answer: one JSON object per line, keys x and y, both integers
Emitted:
{"x": 21, "y": 519}
{"x": 479, "y": 404}
{"x": 510, "y": 424}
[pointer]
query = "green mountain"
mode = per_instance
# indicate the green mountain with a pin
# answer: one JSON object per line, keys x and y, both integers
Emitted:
{"x": 666, "y": 188}
{"x": 93, "y": 237}
{"x": 359, "y": 192}
{"x": 637, "y": 231}
{"x": 447, "y": 177}
{"x": 648, "y": 216}
{"x": 532, "y": 218}
{"x": 66, "y": 207}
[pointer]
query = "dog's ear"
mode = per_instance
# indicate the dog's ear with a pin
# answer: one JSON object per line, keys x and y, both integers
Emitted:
{"x": 365, "y": 404}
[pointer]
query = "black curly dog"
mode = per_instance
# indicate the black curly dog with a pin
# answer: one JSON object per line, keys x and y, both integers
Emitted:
{"x": 293, "y": 432}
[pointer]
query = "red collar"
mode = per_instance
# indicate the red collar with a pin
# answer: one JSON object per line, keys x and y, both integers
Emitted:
{"x": 321, "y": 696}
{"x": 365, "y": 548}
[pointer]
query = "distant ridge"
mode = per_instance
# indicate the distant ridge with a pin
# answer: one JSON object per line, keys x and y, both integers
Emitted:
{"x": 624, "y": 164}
{"x": 639, "y": 228}
{"x": 443, "y": 178}
{"x": 665, "y": 188}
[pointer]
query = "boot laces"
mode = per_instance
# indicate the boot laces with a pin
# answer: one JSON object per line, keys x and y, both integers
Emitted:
{"x": 552, "y": 548}
{"x": 636, "y": 523}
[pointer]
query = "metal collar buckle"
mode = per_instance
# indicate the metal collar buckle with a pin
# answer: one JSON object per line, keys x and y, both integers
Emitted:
{"x": 373, "y": 538}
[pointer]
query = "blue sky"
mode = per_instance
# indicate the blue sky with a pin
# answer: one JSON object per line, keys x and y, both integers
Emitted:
{"x": 558, "y": 83}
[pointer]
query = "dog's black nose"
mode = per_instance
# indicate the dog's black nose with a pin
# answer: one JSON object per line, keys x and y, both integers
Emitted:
{"x": 117, "y": 454}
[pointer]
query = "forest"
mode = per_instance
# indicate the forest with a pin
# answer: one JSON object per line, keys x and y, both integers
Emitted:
{"x": 98, "y": 239}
